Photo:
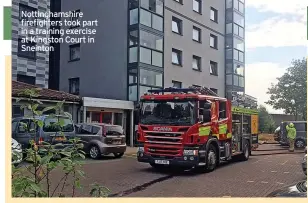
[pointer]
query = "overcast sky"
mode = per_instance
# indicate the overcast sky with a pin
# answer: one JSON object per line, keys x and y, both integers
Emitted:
{"x": 276, "y": 33}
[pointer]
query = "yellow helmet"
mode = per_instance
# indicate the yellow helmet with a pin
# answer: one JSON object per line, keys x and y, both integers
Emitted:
{"x": 291, "y": 125}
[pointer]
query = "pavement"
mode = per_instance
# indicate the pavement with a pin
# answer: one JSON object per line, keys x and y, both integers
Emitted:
{"x": 257, "y": 177}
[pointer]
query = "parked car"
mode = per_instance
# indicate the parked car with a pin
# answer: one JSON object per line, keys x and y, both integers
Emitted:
{"x": 17, "y": 155}
{"x": 304, "y": 163}
{"x": 102, "y": 139}
{"x": 295, "y": 190}
{"x": 24, "y": 130}
{"x": 301, "y": 133}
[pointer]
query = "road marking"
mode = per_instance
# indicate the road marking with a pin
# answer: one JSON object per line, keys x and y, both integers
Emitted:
{"x": 263, "y": 182}
{"x": 256, "y": 162}
{"x": 284, "y": 162}
{"x": 250, "y": 181}
{"x": 274, "y": 171}
{"x": 286, "y": 172}
{"x": 280, "y": 183}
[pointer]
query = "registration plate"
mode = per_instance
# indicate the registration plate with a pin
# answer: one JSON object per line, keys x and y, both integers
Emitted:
{"x": 164, "y": 162}
{"x": 60, "y": 138}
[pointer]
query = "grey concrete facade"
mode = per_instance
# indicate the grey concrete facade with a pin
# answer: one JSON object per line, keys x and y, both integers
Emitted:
{"x": 36, "y": 68}
{"x": 185, "y": 73}
{"x": 102, "y": 68}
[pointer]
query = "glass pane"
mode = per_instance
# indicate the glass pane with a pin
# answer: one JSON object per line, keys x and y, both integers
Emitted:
{"x": 235, "y": 28}
{"x": 145, "y": 4}
{"x": 241, "y": 7}
{"x": 107, "y": 117}
{"x": 241, "y": 32}
{"x": 175, "y": 58}
{"x": 241, "y": 56}
{"x": 196, "y": 34}
{"x": 151, "y": 40}
{"x": 235, "y": 4}
{"x": 157, "y": 22}
{"x": 229, "y": 68}
{"x": 157, "y": 59}
{"x": 238, "y": 19}
{"x": 144, "y": 90}
{"x": 133, "y": 55}
{"x": 133, "y": 38}
{"x": 235, "y": 54}
{"x": 238, "y": 69}
{"x": 145, "y": 55}
{"x": 195, "y": 64}
{"x": 159, "y": 7}
{"x": 133, "y": 76}
{"x": 145, "y": 18}
{"x": 238, "y": 44}
{"x": 241, "y": 81}
{"x": 235, "y": 80}
{"x": 148, "y": 77}
{"x": 229, "y": 79}
{"x": 228, "y": 3}
{"x": 229, "y": 28}
{"x": 177, "y": 84}
{"x": 132, "y": 93}
{"x": 229, "y": 53}
{"x": 228, "y": 42}
{"x": 117, "y": 119}
{"x": 175, "y": 27}
{"x": 133, "y": 16}
{"x": 212, "y": 41}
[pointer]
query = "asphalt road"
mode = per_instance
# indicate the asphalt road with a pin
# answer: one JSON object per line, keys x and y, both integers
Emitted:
{"x": 257, "y": 177}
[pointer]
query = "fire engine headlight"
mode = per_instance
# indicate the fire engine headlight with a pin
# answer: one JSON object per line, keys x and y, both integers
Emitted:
{"x": 140, "y": 149}
{"x": 190, "y": 152}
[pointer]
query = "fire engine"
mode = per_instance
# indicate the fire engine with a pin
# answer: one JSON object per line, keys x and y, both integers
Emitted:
{"x": 193, "y": 128}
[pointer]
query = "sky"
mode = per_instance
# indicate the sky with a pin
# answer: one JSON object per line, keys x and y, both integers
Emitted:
{"x": 276, "y": 33}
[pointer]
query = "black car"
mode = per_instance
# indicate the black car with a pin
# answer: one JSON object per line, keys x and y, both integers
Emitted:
{"x": 295, "y": 190}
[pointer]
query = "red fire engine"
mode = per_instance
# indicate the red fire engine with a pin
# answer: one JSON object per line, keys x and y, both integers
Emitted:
{"x": 193, "y": 128}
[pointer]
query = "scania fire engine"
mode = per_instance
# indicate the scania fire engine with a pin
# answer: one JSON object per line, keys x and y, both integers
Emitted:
{"x": 193, "y": 128}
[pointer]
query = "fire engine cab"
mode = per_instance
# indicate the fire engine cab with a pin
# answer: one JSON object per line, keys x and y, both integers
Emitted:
{"x": 193, "y": 128}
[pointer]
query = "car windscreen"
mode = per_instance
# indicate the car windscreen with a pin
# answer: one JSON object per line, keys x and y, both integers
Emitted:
{"x": 114, "y": 130}
{"x": 56, "y": 124}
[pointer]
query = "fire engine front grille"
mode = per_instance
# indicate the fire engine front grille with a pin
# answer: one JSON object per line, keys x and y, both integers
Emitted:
{"x": 163, "y": 144}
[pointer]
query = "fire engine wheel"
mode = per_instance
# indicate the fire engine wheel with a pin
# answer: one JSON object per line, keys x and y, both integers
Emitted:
{"x": 245, "y": 155}
{"x": 211, "y": 159}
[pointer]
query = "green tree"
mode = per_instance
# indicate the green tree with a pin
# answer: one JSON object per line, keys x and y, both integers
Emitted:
{"x": 290, "y": 93}
{"x": 266, "y": 121}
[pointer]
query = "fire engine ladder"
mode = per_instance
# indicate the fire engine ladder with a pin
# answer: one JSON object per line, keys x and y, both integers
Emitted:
{"x": 195, "y": 90}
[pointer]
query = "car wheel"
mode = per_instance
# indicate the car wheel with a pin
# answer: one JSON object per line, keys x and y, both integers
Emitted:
{"x": 211, "y": 159}
{"x": 299, "y": 143}
{"x": 118, "y": 155}
{"x": 94, "y": 152}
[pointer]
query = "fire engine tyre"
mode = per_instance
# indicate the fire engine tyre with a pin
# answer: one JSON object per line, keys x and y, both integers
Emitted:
{"x": 94, "y": 152}
{"x": 246, "y": 152}
{"x": 211, "y": 159}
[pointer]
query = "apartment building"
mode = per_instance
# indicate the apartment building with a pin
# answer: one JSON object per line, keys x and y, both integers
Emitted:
{"x": 149, "y": 44}
{"x": 31, "y": 67}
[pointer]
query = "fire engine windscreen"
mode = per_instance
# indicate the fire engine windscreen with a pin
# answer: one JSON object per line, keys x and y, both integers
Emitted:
{"x": 168, "y": 113}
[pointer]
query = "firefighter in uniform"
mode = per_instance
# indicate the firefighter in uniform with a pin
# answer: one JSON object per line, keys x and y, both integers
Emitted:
{"x": 291, "y": 135}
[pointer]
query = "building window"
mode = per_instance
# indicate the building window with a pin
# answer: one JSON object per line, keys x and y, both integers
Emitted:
{"x": 132, "y": 93}
{"x": 74, "y": 86}
{"x": 238, "y": 30}
{"x": 197, "y": 86}
{"x": 133, "y": 16}
{"x": 238, "y": 5}
{"x": 241, "y": 81}
{"x": 75, "y": 18}
{"x": 133, "y": 55}
{"x": 229, "y": 79}
{"x": 132, "y": 76}
{"x": 75, "y": 52}
{"x": 26, "y": 79}
{"x": 179, "y": 1}
{"x": 152, "y": 78}
{"x": 156, "y": 6}
{"x": 17, "y": 111}
{"x": 133, "y": 38}
{"x": 26, "y": 8}
{"x": 229, "y": 28}
{"x": 238, "y": 44}
{"x": 197, "y": 6}
{"x": 177, "y": 57}
{"x": 238, "y": 19}
{"x": 23, "y": 49}
{"x": 176, "y": 84}
{"x": 177, "y": 25}
{"x": 151, "y": 20}
{"x": 133, "y": 4}
{"x": 151, "y": 41}
{"x": 213, "y": 68}
{"x": 238, "y": 69}
{"x": 152, "y": 57}
{"x": 214, "y": 15}
{"x": 196, "y": 34}
{"x": 214, "y": 90}
{"x": 213, "y": 41}
{"x": 145, "y": 55}
{"x": 229, "y": 3}
{"x": 196, "y": 63}
{"x": 157, "y": 59}
{"x": 238, "y": 55}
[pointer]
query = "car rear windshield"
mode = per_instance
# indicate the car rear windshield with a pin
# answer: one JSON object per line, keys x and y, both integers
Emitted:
{"x": 114, "y": 130}
{"x": 56, "y": 124}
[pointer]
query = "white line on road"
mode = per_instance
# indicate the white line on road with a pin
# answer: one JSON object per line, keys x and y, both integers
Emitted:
{"x": 263, "y": 182}
{"x": 284, "y": 162}
{"x": 280, "y": 183}
{"x": 274, "y": 171}
{"x": 286, "y": 172}
{"x": 250, "y": 181}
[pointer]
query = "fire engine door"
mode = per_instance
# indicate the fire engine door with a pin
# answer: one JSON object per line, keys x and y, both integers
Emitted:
{"x": 236, "y": 132}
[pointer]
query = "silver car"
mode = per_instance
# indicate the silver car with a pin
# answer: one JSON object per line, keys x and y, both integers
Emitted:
{"x": 102, "y": 139}
{"x": 304, "y": 163}
{"x": 16, "y": 152}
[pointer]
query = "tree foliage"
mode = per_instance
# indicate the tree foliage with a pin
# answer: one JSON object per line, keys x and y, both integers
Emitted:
{"x": 266, "y": 121}
{"x": 290, "y": 92}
